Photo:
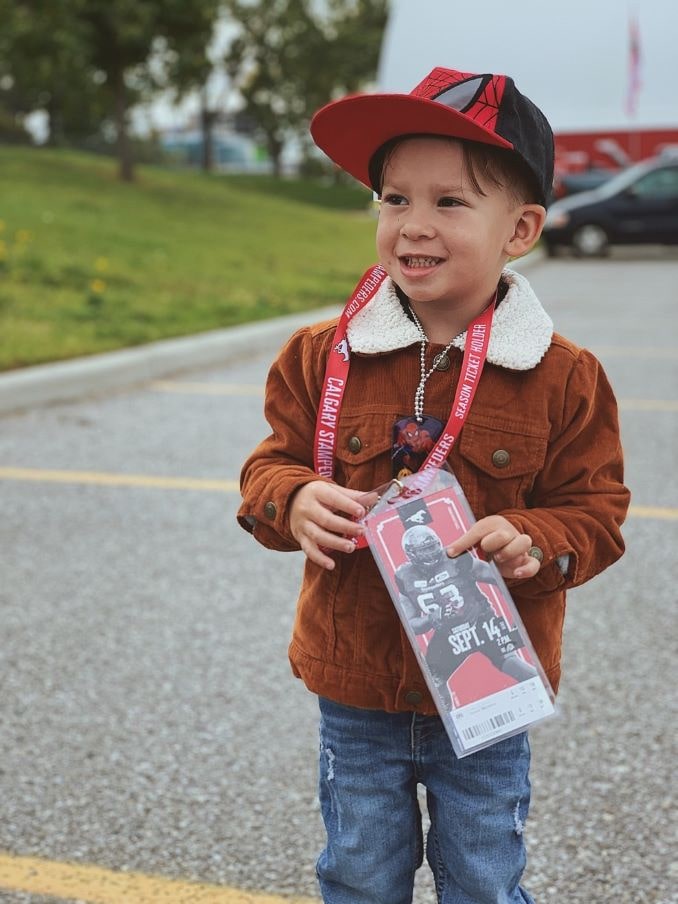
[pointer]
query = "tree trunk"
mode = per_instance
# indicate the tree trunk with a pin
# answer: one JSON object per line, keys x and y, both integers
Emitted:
{"x": 55, "y": 124}
{"x": 275, "y": 147}
{"x": 207, "y": 118}
{"x": 125, "y": 161}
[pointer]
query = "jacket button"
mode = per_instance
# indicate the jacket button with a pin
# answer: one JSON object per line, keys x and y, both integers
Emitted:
{"x": 414, "y": 698}
{"x": 536, "y": 553}
{"x": 270, "y": 510}
{"x": 442, "y": 361}
{"x": 355, "y": 444}
{"x": 500, "y": 458}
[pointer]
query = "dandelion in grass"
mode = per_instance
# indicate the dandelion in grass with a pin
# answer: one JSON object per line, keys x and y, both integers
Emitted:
{"x": 22, "y": 236}
{"x": 101, "y": 265}
{"x": 95, "y": 298}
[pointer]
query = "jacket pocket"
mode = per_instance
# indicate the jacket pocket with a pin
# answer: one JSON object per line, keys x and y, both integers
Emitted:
{"x": 498, "y": 465}
{"x": 364, "y": 450}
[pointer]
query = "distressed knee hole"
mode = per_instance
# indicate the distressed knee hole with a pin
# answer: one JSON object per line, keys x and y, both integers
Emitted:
{"x": 518, "y": 822}
{"x": 329, "y": 753}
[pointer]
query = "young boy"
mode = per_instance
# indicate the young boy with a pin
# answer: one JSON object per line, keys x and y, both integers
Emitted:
{"x": 463, "y": 166}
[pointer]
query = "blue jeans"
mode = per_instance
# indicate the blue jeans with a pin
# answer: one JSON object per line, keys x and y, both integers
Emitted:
{"x": 370, "y": 765}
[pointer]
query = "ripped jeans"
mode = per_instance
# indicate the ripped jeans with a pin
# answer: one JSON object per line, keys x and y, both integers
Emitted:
{"x": 370, "y": 765}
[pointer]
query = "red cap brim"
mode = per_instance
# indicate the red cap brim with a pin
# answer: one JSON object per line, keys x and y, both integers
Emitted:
{"x": 350, "y": 130}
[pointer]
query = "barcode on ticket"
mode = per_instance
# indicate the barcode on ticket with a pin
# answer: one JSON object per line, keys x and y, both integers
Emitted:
{"x": 487, "y": 726}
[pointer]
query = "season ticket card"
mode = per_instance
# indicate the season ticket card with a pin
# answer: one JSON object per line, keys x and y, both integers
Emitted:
{"x": 473, "y": 650}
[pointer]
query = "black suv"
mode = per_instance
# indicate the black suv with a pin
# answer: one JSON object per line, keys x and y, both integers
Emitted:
{"x": 638, "y": 206}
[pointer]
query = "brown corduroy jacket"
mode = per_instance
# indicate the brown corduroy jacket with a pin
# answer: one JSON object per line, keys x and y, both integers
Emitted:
{"x": 543, "y": 403}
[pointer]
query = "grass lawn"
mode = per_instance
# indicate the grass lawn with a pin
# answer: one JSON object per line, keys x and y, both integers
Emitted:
{"x": 88, "y": 264}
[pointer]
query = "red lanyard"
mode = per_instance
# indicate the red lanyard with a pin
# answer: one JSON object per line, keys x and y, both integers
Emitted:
{"x": 475, "y": 355}
{"x": 339, "y": 362}
{"x": 336, "y": 374}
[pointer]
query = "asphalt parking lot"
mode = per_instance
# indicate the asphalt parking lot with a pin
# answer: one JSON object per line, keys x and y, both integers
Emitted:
{"x": 150, "y": 724}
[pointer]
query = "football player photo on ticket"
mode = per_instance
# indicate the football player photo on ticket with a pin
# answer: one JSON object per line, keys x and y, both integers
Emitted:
{"x": 464, "y": 628}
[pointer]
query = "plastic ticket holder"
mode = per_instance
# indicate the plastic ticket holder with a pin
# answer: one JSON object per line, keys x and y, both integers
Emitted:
{"x": 474, "y": 653}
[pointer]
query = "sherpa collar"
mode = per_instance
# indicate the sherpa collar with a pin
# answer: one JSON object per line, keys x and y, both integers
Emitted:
{"x": 521, "y": 328}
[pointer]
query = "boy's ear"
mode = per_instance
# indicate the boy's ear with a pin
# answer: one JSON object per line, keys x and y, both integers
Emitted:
{"x": 528, "y": 226}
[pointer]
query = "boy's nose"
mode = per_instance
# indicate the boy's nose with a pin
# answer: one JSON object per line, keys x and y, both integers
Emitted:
{"x": 416, "y": 228}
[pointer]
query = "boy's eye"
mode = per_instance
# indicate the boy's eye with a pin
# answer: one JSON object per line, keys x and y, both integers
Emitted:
{"x": 394, "y": 200}
{"x": 448, "y": 202}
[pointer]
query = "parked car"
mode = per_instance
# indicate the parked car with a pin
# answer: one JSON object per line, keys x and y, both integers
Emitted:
{"x": 638, "y": 206}
{"x": 585, "y": 180}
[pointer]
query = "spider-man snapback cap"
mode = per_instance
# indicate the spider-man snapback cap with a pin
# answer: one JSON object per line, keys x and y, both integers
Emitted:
{"x": 485, "y": 108}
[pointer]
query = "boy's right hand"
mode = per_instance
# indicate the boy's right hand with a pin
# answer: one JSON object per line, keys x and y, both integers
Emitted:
{"x": 321, "y": 516}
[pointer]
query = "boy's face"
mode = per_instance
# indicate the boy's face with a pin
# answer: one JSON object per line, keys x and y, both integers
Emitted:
{"x": 440, "y": 241}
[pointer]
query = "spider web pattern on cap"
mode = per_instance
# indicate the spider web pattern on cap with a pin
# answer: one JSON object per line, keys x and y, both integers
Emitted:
{"x": 476, "y": 96}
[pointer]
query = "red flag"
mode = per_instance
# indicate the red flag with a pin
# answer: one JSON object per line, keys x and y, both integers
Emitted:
{"x": 634, "y": 67}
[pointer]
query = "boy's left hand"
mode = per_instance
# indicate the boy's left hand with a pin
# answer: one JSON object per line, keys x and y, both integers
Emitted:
{"x": 503, "y": 544}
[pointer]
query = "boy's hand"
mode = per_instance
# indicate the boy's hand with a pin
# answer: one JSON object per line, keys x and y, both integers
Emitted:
{"x": 320, "y": 520}
{"x": 503, "y": 544}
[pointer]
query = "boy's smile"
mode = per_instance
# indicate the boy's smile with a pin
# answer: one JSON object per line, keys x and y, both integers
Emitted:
{"x": 439, "y": 240}
{"x": 415, "y": 262}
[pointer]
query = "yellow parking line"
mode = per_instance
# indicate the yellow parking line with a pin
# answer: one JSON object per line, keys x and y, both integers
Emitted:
{"x": 120, "y": 480}
{"x": 229, "y": 389}
{"x": 250, "y": 389}
{"x": 648, "y": 404}
{"x": 632, "y": 351}
{"x": 95, "y": 885}
{"x": 207, "y": 485}
{"x": 653, "y": 511}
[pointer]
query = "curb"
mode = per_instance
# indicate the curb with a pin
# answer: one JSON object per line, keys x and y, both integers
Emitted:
{"x": 47, "y": 384}
{"x": 65, "y": 381}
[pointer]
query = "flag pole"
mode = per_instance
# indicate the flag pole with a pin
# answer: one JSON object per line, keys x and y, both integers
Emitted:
{"x": 634, "y": 85}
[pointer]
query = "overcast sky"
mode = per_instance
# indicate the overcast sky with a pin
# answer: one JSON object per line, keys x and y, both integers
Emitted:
{"x": 571, "y": 57}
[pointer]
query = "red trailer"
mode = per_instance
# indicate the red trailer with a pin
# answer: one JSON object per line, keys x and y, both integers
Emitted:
{"x": 610, "y": 149}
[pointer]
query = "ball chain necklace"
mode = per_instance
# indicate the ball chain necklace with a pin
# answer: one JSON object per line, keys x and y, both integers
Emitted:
{"x": 440, "y": 362}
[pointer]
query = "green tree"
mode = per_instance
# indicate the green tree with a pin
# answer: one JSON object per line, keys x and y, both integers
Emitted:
{"x": 108, "y": 53}
{"x": 355, "y": 30}
{"x": 138, "y": 44}
{"x": 43, "y": 66}
{"x": 193, "y": 70}
{"x": 287, "y": 61}
{"x": 267, "y": 62}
